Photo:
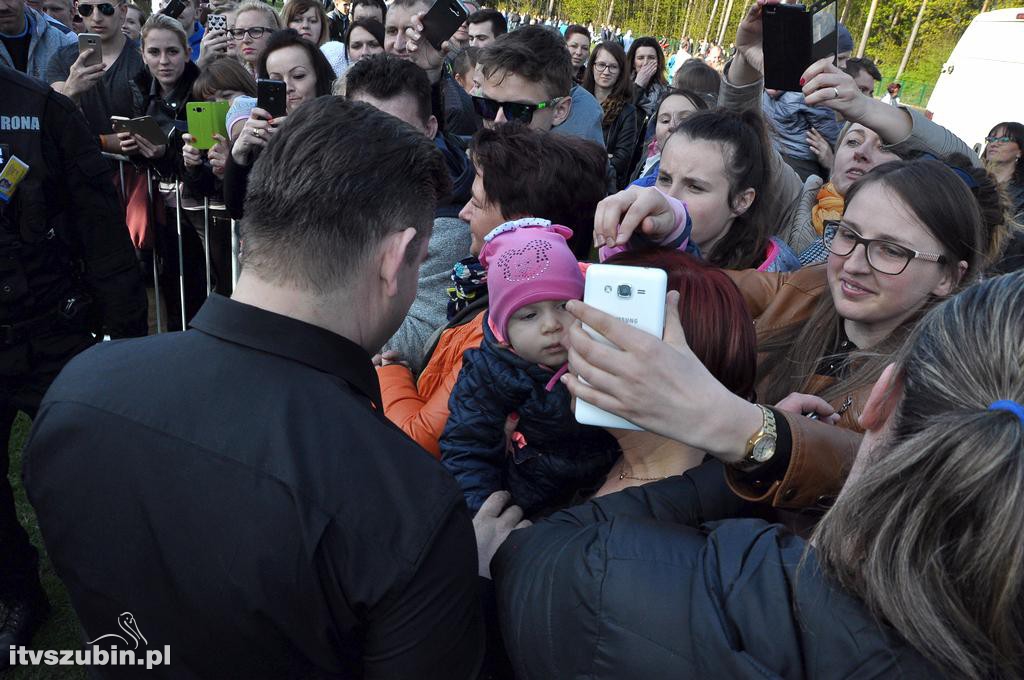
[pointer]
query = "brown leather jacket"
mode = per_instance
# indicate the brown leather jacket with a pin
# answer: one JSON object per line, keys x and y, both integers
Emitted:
{"x": 821, "y": 454}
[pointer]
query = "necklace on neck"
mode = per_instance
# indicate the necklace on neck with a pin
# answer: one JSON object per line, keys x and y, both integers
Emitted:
{"x": 623, "y": 475}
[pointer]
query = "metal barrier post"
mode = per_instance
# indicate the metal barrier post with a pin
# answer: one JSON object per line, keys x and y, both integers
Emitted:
{"x": 181, "y": 250}
{"x": 206, "y": 243}
{"x": 234, "y": 254}
{"x": 156, "y": 269}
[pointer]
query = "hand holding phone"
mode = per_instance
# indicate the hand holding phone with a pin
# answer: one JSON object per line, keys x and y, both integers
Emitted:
{"x": 794, "y": 38}
{"x": 90, "y": 41}
{"x": 634, "y": 295}
{"x": 271, "y": 96}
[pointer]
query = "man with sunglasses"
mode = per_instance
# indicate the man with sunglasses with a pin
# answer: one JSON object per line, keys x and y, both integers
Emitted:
{"x": 526, "y": 76}
{"x": 102, "y": 90}
{"x": 28, "y": 40}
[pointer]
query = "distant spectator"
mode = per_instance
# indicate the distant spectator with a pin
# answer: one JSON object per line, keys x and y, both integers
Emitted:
{"x": 864, "y": 73}
{"x": 892, "y": 94}
{"x": 577, "y": 39}
{"x": 484, "y": 26}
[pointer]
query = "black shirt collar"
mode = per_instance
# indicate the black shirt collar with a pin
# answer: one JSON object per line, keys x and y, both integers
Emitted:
{"x": 290, "y": 338}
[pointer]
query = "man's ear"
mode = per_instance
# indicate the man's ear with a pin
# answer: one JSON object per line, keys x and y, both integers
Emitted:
{"x": 392, "y": 257}
{"x": 881, "y": 404}
{"x": 562, "y": 111}
{"x": 431, "y": 127}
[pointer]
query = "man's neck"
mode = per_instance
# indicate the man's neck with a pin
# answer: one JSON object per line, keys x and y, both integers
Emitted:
{"x": 24, "y": 26}
{"x": 114, "y": 44}
{"x": 327, "y": 313}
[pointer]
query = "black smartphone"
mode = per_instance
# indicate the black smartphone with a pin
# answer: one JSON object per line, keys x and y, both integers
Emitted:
{"x": 794, "y": 38}
{"x": 271, "y": 96}
{"x": 442, "y": 20}
{"x": 174, "y": 8}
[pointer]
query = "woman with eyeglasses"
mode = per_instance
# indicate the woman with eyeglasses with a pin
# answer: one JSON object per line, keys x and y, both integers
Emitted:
{"x": 255, "y": 21}
{"x": 913, "y": 233}
{"x": 607, "y": 77}
{"x": 913, "y": 574}
{"x": 1004, "y": 158}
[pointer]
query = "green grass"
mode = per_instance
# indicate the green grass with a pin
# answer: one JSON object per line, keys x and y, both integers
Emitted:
{"x": 61, "y": 630}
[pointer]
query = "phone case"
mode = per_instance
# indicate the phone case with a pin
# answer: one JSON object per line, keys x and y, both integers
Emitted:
{"x": 91, "y": 41}
{"x": 270, "y": 96}
{"x": 206, "y": 119}
{"x": 174, "y": 8}
{"x": 442, "y": 20}
{"x": 635, "y": 295}
{"x": 217, "y": 22}
{"x": 149, "y": 129}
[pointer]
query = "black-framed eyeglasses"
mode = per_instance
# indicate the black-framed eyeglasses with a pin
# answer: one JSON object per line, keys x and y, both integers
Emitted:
{"x": 106, "y": 9}
{"x": 602, "y": 67}
{"x": 514, "y": 111}
{"x": 883, "y": 256}
{"x": 255, "y": 33}
{"x": 1004, "y": 139}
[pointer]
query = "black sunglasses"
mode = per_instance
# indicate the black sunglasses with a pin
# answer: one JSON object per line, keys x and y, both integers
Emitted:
{"x": 514, "y": 111}
{"x": 106, "y": 9}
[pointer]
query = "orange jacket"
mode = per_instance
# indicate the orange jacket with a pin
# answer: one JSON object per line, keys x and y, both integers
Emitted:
{"x": 420, "y": 408}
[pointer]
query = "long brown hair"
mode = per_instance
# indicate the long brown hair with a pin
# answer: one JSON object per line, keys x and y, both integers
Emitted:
{"x": 294, "y": 8}
{"x": 622, "y": 91}
{"x": 930, "y": 536}
{"x": 943, "y": 203}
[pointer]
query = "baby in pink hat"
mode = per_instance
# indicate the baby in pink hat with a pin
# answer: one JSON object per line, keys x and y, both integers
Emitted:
{"x": 511, "y": 424}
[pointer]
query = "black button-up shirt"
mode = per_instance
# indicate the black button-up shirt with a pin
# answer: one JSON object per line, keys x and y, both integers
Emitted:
{"x": 237, "y": 489}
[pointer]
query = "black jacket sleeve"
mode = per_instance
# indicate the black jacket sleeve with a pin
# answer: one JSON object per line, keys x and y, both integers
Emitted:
{"x": 236, "y": 179}
{"x": 95, "y": 229}
{"x": 622, "y": 144}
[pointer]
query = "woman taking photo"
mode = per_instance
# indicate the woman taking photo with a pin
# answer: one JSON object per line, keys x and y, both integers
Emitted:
{"x": 577, "y": 40}
{"x": 914, "y": 573}
{"x": 607, "y": 77}
{"x": 306, "y": 75}
{"x": 648, "y": 67}
{"x": 877, "y": 133}
{"x": 161, "y": 91}
{"x": 913, "y": 233}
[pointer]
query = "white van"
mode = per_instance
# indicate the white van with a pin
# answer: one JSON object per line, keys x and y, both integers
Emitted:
{"x": 982, "y": 83}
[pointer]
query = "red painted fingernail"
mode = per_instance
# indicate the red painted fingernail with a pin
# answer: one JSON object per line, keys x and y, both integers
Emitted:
{"x": 803, "y": 80}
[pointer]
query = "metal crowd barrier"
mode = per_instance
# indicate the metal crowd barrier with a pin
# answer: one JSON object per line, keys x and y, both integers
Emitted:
{"x": 151, "y": 217}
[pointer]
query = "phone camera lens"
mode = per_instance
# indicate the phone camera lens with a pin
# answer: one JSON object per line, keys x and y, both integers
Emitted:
{"x": 625, "y": 290}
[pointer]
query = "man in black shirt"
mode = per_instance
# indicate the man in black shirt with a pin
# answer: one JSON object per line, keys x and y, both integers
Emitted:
{"x": 237, "y": 487}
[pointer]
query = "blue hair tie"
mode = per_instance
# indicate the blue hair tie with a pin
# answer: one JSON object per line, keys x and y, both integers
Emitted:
{"x": 1008, "y": 405}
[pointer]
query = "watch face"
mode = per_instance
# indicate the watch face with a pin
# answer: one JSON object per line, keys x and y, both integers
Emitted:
{"x": 763, "y": 449}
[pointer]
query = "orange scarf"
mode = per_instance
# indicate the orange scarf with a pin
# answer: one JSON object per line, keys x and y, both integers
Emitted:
{"x": 830, "y": 206}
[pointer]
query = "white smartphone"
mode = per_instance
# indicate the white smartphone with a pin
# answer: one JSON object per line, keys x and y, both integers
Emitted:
{"x": 635, "y": 295}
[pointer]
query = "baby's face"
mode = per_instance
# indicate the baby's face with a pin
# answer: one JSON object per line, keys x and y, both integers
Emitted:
{"x": 537, "y": 332}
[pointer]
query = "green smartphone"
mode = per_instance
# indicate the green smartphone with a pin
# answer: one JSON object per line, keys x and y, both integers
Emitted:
{"x": 206, "y": 119}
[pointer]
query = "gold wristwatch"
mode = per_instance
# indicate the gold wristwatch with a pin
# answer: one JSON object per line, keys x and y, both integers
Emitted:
{"x": 761, "y": 446}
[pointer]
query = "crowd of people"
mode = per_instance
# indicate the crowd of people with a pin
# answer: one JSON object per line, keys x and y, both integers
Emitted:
{"x": 360, "y": 456}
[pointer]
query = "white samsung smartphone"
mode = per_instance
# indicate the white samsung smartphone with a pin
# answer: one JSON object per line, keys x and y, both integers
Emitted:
{"x": 635, "y": 295}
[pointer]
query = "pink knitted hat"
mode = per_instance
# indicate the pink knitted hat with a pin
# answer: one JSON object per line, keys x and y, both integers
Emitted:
{"x": 527, "y": 261}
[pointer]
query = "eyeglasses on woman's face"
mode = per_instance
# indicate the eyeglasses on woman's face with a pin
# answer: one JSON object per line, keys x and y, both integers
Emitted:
{"x": 883, "y": 256}
{"x": 254, "y": 33}
{"x": 603, "y": 66}
{"x": 1004, "y": 139}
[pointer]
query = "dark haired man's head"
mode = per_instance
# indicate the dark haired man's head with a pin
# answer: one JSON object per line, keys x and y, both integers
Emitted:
{"x": 521, "y": 172}
{"x": 485, "y": 25}
{"x": 864, "y": 73}
{"x": 309, "y": 230}
{"x": 530, "y": 66}
{"x": 394, "y": 86}
{"x": 368, "y": 9}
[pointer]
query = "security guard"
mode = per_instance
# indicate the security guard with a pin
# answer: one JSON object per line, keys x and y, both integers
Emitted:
{"x": 68, "y": 276}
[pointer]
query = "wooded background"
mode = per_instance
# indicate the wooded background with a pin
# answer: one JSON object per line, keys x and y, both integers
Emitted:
{"x": 941, "y": 25}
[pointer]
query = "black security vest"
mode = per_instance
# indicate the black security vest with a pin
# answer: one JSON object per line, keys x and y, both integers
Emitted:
{"x": 35, "y": 265}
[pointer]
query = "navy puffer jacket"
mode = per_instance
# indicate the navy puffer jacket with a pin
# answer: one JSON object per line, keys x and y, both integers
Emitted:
{"x": 554, "y": 455}
{"x": 640, "y": 584}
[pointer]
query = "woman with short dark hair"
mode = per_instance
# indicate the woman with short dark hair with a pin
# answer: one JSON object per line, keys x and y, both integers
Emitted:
{"x": 647, "y": 61}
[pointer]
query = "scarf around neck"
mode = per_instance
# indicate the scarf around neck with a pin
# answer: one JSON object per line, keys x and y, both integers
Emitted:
{"x": 830, "y": 206}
